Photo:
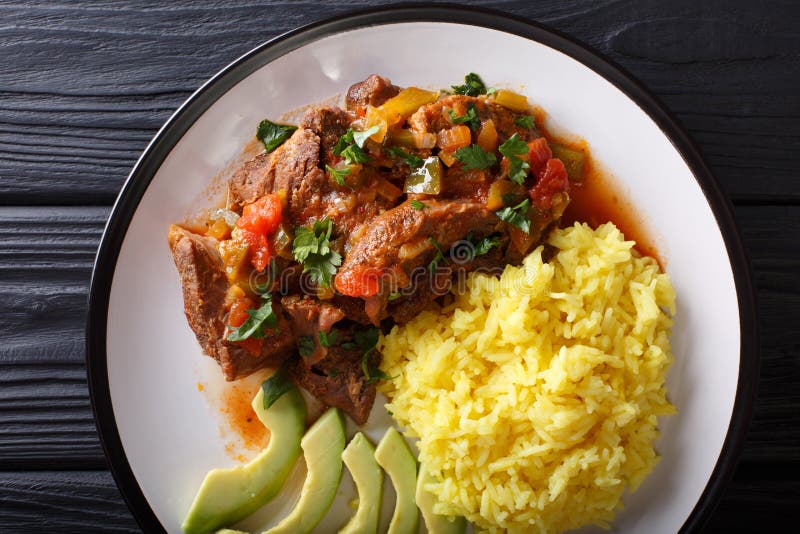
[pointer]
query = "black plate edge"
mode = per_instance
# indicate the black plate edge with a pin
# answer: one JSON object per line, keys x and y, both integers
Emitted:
{"x": 172, "y": 131}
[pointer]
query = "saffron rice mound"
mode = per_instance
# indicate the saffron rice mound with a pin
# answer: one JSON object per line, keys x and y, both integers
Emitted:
{"x": 535, "y": 396}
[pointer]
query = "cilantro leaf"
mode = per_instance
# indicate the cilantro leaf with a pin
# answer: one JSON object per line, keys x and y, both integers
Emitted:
{"x": 254, "y": 325}
{"x": 417, "y": 205}
{"x": 412, "y": 160}
{"x": 517, "y": 215}
{"x": 439, "y": 257}
{"x": 328, "y": 339}
{"x": 272, "y": 134}
{"x": 365, "y": 341}
{"x": 338, "y": 174}
{"x": 473, "y": 157}
{"x": 470, "y": 118}
{"x": 525, "y": 121}
{"x": 360, "y": 138}
{"x": 306, "y": 346}
{"x": 512, "y": 149}
{"x": 312, "y": 248}
{"x": 275, "y": 386}
{"x": 472, "y": 86}
{"x": 485, "y": 244}
{"x": 349, "y": 146}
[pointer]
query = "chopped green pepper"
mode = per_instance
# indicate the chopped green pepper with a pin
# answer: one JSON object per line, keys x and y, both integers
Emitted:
{"x": 573, "y": 160}
{"x": 427, "y": 179}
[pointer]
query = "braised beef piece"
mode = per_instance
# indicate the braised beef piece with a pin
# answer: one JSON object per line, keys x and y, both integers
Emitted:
{"x": 404, "y": 240}
{"x": 373, "y": 91}
{"x": 204, "y": 287}
{"x": 309, "y": 317}
{"x": 435, "y": 117}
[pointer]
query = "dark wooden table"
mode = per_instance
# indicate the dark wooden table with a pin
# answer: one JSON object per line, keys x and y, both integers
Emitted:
{"x": 85, "y": 85}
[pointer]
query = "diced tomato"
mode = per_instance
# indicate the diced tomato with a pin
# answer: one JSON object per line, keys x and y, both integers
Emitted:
{"x": 258, "y": 221}
{"x": 360, "y": 281}
{"x": 551, "y": 181}
{"x": 237, "y": 316}
{"x": 262, "y": 216}
{"x": 539, "y": 154}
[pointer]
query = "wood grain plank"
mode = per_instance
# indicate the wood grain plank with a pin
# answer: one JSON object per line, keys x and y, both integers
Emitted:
{"x": 45, "y": 262}
{"x": 84, "y": 87}
{"x": 62, "y": 501}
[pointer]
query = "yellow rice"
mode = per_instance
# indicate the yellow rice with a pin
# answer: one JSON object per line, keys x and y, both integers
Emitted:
{"x": 535, "y": 396}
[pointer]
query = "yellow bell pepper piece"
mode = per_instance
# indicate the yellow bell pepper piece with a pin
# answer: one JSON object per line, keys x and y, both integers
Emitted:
{"x": 405, "y": 103}
{"x": 511, "y": 100}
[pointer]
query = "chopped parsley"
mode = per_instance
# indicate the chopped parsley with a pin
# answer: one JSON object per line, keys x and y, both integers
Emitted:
{"x": 312, "y": 248}
{"x": 470, "y": 118}
{"x": 272, "y": 134}
{"x": 417, "y": 205}
{"x": 440, "y": 257}
{"x": 328, "y": 339}
{"x": 472, "y": 86}
{"x": 306, "y": 346}
{"x": 338, "y": 174}
{"x": 366, "y": 341}
{"x": 253, "y": 326}
{"x": 275, "y": 386}
{"x": 484, "y": 244}
{"x": 474, "y": 157}
{"x": 517, "y": 215}
{"x": 350, "y": 145}
{"x": 412, "y": 160}
{"x": 513, "y": 148}
{"x": 525, "y": 121}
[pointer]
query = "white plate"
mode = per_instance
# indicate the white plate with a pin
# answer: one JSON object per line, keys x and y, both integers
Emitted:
{"x": 159, "y": 433}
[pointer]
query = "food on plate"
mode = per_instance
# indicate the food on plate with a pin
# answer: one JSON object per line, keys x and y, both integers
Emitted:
{"x": 228, "y": 495}
{"x": 396, "y": 458}
{"x": 435, "y": 523}
{"x": 535, "y": 395}
{"x": 359, "y": 218}
{"x": 322, "y": 447}
{"x": 359, "y": 457}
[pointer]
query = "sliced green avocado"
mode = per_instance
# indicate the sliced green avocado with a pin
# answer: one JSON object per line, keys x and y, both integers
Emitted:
{"x": 359, "y": 457}
{"x": 396, "y": 458}
{"x": 322, "y": 446}
{"x": 435, "y": 523}
{"x": 229, "y": 495}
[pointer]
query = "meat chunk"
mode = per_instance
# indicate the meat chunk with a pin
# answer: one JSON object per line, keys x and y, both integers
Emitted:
{"x": 373, "y": 91}
{"x": 329, "y": 124}
{"x": 435, "y": 117}
{"x": 338, "y": 380}
{"x": 309, "y": 317}
{"x": 204, "y": 288}
{"x": 399, "y": 245}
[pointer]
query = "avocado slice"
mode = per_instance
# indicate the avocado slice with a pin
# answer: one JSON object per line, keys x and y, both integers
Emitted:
{"x": 396, "y": 458}
{"x": 435, "y": 523}
{"x": 359, "y": 457}
{"x": 322, "y": 445}
{"x": 229, "y": 495}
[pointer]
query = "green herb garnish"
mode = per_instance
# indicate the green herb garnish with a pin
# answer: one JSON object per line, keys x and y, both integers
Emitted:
{"x": 525, "y": 121}
{"x": 439, "y": 257}
{"x": 417, "y": 205}
{"x": 350, "y": 145}
{"x": 512, "y": 149}
{"x": 472, "y": 86}
{"x": 517, "y": 215}
{"x": 470, "y": 118}
{"x": 412, "y": 160}
{"x": 253, "y": 326}
{"x": 272, "y": 134}
{"x": 366, "y": 341}
{"x": 394, "y": 296}
{"x": 328, "y": 339}
{"x": 275, "y": 386}
{"x": 306, "y": 346}
{"x": 474, "y": 157}
{"x": 338, "y": 174}
{"x": 312, "y": 248}
{"x": 483, "y": 245}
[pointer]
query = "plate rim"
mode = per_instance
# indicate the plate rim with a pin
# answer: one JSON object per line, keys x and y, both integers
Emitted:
{"x": 197, "y": 104}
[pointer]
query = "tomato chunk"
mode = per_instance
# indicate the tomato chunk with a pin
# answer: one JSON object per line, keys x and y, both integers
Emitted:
{"x": 552, "y": 181}
{"x": 360, "y": 281}
{"x": 262, "y": 216}
{"x": 236, "y": 318}
{"x": 538, "y": 154}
